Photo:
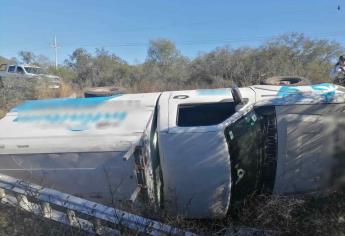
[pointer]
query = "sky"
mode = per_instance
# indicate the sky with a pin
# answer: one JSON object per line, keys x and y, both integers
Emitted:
{"x": 126, "y": 27}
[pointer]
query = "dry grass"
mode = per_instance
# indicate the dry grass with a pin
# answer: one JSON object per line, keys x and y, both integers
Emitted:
{"x": 43, "y": 91}
{"x": 308, "y": 215}
{"x": 261, "y": 215}
{"x": 296, "y": 216}
{"x": 13, "y": 92}
{"x": 19, "y": 223}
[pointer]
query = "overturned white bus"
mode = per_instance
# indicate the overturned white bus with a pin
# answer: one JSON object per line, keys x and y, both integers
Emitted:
{"x": 193, "y": 153}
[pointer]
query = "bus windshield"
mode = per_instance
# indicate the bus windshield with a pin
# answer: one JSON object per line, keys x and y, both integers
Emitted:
{"x": 252, "y": 147}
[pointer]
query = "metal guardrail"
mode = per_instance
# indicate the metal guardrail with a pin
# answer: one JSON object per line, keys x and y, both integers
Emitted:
{"x": 76, "y": 212}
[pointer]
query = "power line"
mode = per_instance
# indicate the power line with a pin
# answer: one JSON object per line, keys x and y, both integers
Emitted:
{"x": 209, "y": 41}
{"x": 188, "y": 42}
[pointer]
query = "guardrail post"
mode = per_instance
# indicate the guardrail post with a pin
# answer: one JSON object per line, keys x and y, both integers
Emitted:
{"x": 46, "y": 209}
{"x": 98, "y": 227}
{"x": 72, "y": 219}
{"x": 23, "y": 202}
{"x": 2, "y": 193}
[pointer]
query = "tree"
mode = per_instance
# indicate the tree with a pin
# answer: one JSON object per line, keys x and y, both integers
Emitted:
{"x": 212, "y": 69}
{"x": 296, "y": 54}
{"x": 42, "y": 61}
{"x": 110, "y": 69}
{"x": 4, "y": 60}
{"x": 289, "y": 54}
{"x": 101, "y": 69}
{"x": 162, "y": 52}
{"x": 164, "y": 67}
{"x": 27, "y": 57}
{"x": 38, "y": 60}
{"x": 81, "y": 63}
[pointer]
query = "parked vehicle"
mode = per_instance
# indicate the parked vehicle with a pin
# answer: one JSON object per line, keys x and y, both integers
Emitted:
{"x": 29, "y": 72}
{"x": 195, "y": 153}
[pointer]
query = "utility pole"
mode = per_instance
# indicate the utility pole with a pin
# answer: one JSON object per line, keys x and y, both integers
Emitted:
{"x": 56, "y": 46}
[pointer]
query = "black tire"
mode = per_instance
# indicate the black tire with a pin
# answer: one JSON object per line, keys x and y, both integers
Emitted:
{"x": 286, "y": 80}
{"x": 102, "y": 91}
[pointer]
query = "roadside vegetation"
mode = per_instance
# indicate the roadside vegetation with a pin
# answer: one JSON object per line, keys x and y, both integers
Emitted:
{"x": 166, "y": 68}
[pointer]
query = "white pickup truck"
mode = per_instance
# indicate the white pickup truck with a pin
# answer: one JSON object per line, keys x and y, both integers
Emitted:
{"x": 193, "y": 153}
{"x": 28, "y": 72}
